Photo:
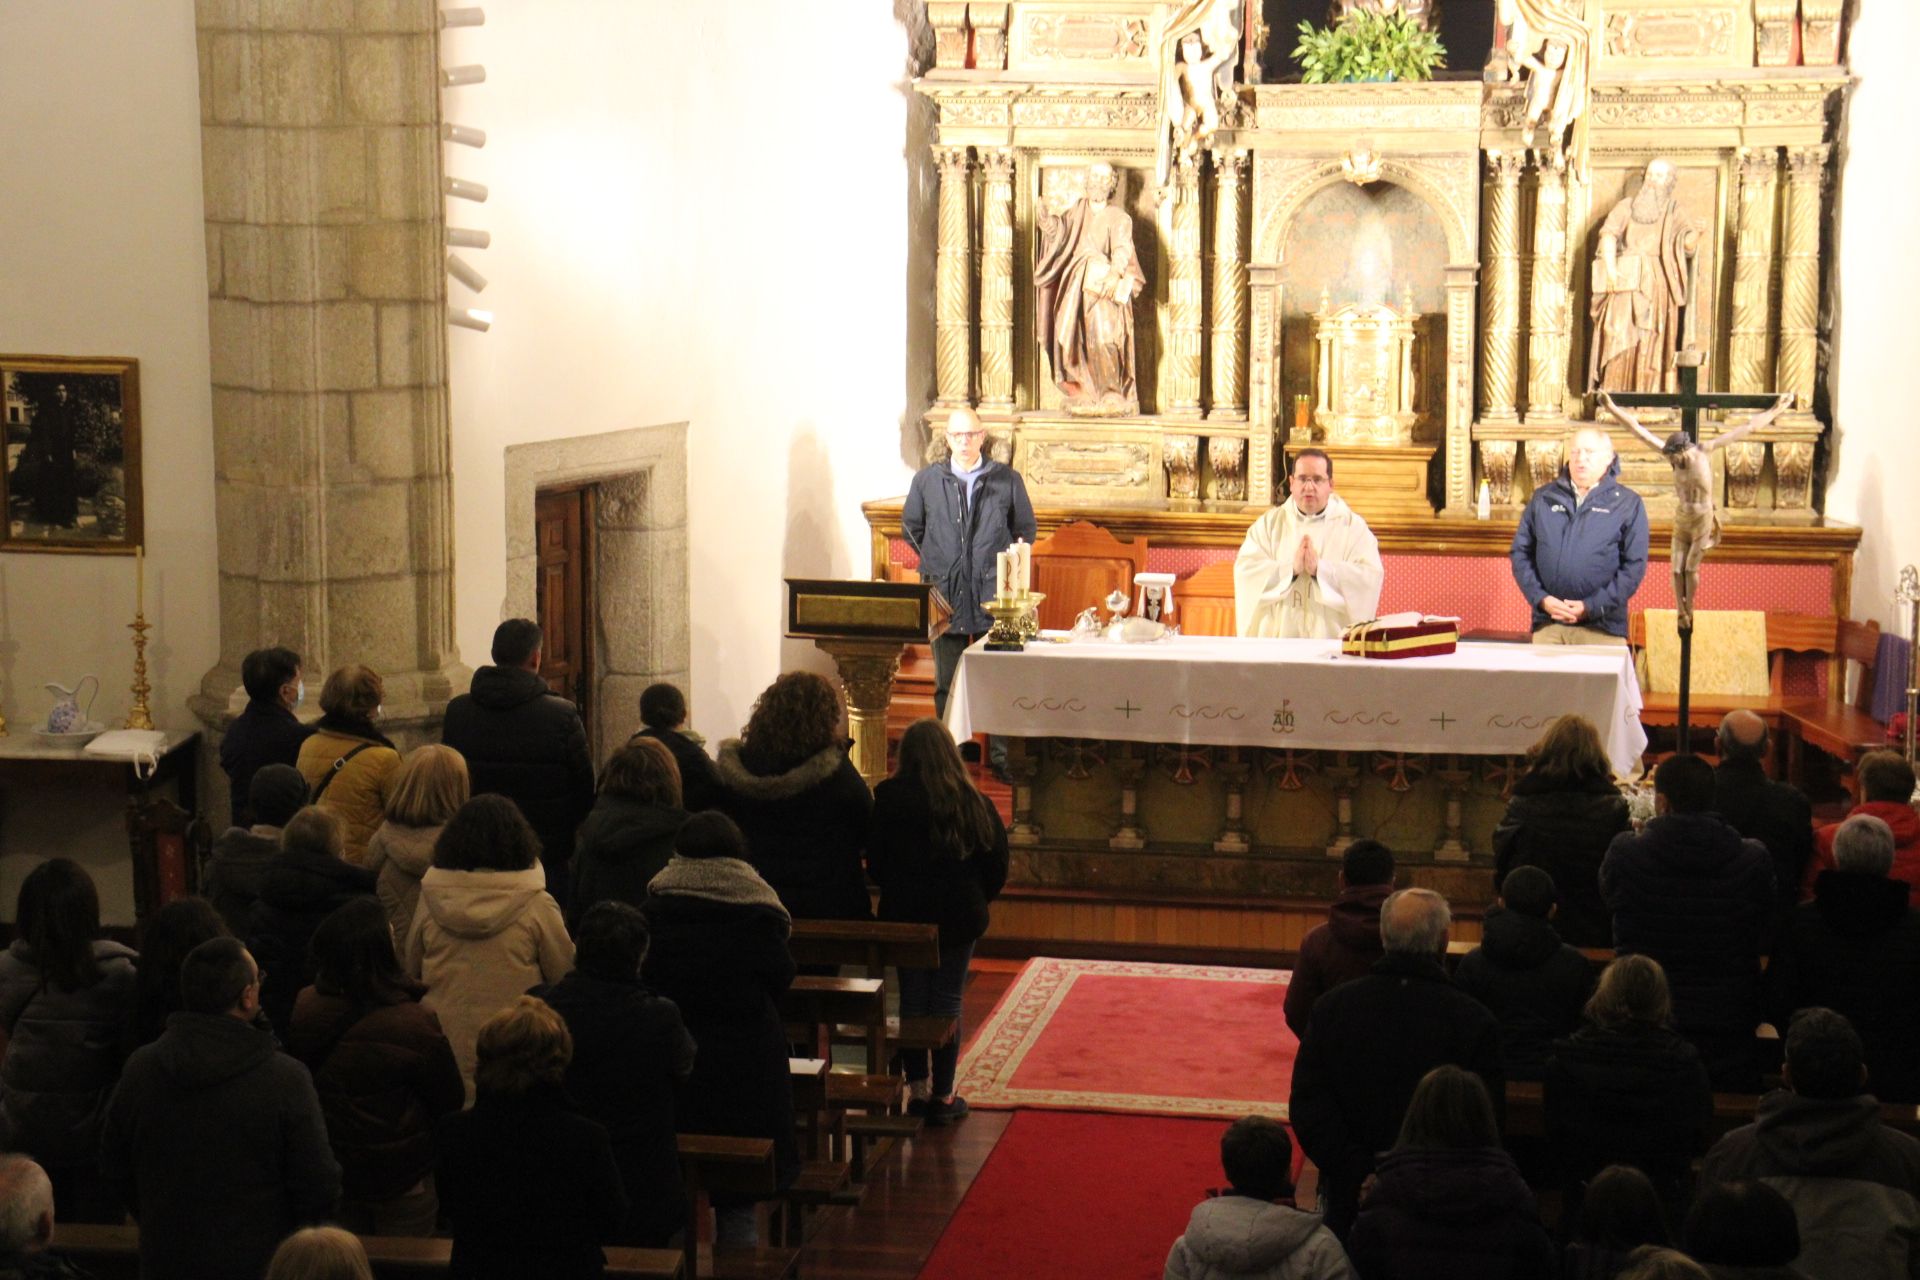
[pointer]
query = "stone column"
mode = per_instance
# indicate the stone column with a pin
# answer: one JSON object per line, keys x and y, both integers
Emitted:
{"x": 1184, "y": 287}
{"x": 1753, "y": 271}
{"x": 953, "y": 275}
{"x": 1547, "y": 317}
{"x": 1500, "y": 305}
{"x": 320, "y": 152}
{"x": 996, "y": 280}
{"x": 1229, "y": 351}
{"x": 1800, "y": 275}
{"x": 867, "y": 669}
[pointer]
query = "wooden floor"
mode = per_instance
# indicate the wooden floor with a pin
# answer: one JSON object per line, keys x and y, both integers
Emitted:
{"x": 910, "y": 1199}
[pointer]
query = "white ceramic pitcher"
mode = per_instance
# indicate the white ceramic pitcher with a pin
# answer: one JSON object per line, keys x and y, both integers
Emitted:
{"x": 67, "y": 715}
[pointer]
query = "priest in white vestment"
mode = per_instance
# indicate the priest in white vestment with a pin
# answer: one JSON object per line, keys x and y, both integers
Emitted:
{"x": 1310, "y": 567}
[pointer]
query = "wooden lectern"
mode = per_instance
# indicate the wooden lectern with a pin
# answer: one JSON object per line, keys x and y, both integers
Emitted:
{"x": 865, "y": 627}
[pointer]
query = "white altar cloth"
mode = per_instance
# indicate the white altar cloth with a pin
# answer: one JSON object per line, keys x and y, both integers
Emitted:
{"x": 1483, "y": 699}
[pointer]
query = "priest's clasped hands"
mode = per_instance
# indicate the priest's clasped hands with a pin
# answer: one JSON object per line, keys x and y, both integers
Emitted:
{"x": 1568, "y": 612}
{"x": 1306, "y": 561}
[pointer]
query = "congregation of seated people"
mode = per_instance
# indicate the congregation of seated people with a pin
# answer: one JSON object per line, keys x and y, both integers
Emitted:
{"x": 471, "y": 990}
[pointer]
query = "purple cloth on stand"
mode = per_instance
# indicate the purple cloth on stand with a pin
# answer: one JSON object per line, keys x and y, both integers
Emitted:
{"x": 1889, "y": 677}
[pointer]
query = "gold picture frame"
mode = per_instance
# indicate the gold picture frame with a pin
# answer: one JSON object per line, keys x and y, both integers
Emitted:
{"x": 70, "y": 475}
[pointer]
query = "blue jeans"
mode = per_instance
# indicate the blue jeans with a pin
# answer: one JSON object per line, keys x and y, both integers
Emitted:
{"x": 946, "y": 660}
{"x": 936, "y": 993}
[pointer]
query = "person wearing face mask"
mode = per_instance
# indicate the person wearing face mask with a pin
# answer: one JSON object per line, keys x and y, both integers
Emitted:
{"x": 960, "y": 513}
{"x": 1581, "y": 547}
{"x": 268, "y": 731}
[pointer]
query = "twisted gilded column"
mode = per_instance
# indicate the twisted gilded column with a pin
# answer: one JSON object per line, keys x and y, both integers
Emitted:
{"x": 1500, "y": 307}
{"x": 1229, "y": 368}
{"x": 1800, "y": 275}
{"x": 996, "y": 280}
{"x": 1547, "y": 318}
{"x": 952, "y": 278}
{"x": 1753, "y": 271}
{"x": 1184, "y": 289}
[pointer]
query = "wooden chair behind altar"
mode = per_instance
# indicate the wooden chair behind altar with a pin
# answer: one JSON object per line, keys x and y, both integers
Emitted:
{"x": 1078, "y": 565}
{"x": 1204, "y": 602}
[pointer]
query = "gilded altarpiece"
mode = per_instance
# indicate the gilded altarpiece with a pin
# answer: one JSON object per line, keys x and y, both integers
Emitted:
{"x": 1482, "y": 230}
{"x": 1030, "y": 93}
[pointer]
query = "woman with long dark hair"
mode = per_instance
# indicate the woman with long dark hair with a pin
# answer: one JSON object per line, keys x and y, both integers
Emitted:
{"x": 1565, "y": 811}
{"x": 801, "y": 804}
{"x": 938, "y": 851}
{"x": 166, "y": 938}
{"x": 383, "y": 1068}
{"x": 65, "y": 997}
{"x": 1449, "y": 1202}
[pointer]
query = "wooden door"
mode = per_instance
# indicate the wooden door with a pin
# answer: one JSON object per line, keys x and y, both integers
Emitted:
{"x": 563, "y": 532}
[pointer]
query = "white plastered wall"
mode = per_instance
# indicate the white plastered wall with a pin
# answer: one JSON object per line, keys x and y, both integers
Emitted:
{"x": 1875, "y": 375}
{"x": 700, "y": 213}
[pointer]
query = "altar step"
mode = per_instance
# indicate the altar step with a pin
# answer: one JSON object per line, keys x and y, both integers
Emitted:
{"x": 1096, "y": 924}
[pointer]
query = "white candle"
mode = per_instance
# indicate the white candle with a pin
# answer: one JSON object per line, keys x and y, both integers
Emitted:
{"x": 1003, "y": 574}
{"x": 1024, "y": 558}
{"x": 139, "y": 580}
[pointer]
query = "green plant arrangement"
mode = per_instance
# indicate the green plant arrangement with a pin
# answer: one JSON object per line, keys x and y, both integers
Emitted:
{"x": 1368, "y": 46}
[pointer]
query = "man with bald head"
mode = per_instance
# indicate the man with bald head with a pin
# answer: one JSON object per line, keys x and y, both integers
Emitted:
{"x": 961, "y": 511}
{"x": 1775, "y": 814}
{"x": 1369, "y": 1042}
{"x": 26, "y": 1223}
{"x": 1581, "y": 547}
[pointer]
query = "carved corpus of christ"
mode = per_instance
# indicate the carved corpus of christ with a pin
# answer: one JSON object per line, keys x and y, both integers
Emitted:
{"x": 1696, "y": 519}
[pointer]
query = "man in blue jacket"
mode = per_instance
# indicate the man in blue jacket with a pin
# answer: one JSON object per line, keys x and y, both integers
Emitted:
{"x": 1581, "y": 548}
{"x": 959, "y": 515}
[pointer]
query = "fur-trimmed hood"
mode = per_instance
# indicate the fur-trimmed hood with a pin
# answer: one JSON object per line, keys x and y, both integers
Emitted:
{"x": 803, "y": 777}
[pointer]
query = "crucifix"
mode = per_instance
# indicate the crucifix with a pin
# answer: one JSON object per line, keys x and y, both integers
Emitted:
{"x": 1696, "y": 520}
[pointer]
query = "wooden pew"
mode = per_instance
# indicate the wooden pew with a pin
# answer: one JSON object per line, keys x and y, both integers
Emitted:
{"x": 874, "y": 946}
{"x": 1526, "y": 1112}
{"x": 812, "y": 1008}
{"x": 113, "y": 1253}
{"x": 711, "y": 1163}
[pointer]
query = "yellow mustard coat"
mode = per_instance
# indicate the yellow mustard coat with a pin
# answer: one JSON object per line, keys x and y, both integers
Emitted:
{"x": 358, "y": 797}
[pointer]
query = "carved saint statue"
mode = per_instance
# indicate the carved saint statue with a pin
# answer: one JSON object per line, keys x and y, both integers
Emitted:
{"x": 1547, "y": 41}
{"x": 1642, "y": 276}
{"x": 1198, "y": 52}
{"x": 1696, "y": 521}
{"x": 1087, "y": 275}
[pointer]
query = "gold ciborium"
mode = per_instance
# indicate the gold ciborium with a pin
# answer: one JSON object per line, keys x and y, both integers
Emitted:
{"x": 1016, "y": 620}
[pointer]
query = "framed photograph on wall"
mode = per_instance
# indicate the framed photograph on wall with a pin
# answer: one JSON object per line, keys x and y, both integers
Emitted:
{"x": 71, "y": 478}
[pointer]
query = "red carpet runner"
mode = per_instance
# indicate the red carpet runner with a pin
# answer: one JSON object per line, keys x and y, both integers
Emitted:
{"x": 1152, "y": 1039}
{"x": 1070, "y": 1196}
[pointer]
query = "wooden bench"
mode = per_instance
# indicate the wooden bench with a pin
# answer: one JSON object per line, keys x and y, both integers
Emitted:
{"x": 1526, "y": 1112}
{"x": 711, "y": 1163}
{"x": 815, "y": 1004}
{"x": 874, "y": 946}
{"x": 1830, "y": 724}
{"x": 113, "y": 1253}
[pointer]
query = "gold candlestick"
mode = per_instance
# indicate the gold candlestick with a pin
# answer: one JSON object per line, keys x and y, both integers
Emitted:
{"x": 139, "y": 716}
{"x": 1016, "y": 620}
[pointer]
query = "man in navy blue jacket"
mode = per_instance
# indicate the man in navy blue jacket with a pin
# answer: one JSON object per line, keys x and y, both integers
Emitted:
{"x": 1581, "y": 548}
{"x": 959, "y": 514}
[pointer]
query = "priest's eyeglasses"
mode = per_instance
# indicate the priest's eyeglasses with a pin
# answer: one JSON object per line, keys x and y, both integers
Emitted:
{"x": 966, "y": 435}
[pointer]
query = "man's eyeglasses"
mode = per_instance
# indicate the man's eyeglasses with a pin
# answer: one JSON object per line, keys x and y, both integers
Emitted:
{"x": 966, "y": 435}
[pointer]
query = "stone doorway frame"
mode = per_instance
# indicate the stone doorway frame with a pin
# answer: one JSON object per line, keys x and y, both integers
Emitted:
{"x": 642, "y": 631}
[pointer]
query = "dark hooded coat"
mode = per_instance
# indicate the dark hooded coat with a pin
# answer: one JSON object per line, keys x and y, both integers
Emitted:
{"x": 1534, "y": 984}
{"x": 806, "y": 830}
{"x": 1441, "y": 1215}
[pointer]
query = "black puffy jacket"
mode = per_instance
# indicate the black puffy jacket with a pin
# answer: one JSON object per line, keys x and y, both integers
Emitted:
{"x": 1565, "y": 832}
{"x": 1534, "y": 984}
{"x": 1637, "y": 1095}
{"x": 525, "y": 742}
{"x": 63, "y": 1053}
{"x": 806, "y": 829}
{"x": 1855, "y": 949}
{"x": 1695, "y": 895}
{"x": 297, "y": 892}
